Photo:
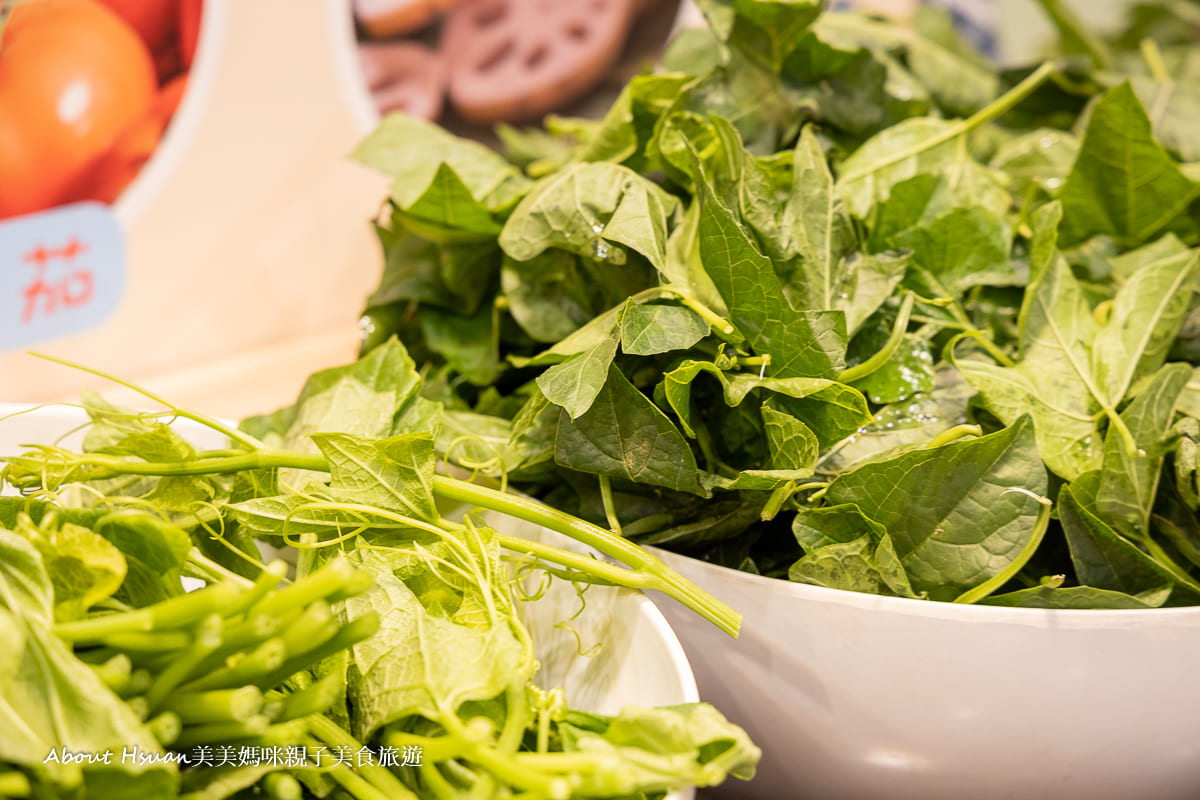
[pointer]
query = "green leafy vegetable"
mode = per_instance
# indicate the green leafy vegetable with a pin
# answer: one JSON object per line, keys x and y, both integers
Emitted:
{"x": 841, "y": 274}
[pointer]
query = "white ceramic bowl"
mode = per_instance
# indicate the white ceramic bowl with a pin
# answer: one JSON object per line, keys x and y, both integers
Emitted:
{"x": 854, "y": 696}
{"x": 639, "y": 662}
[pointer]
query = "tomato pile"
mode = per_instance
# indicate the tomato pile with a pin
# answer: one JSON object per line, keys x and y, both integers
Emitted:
{"x": 87, "y": 89}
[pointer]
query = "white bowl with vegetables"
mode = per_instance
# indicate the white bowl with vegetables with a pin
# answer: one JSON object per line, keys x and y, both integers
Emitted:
{"x": 80, "y": 588}
{"x": 860, "y": 696}
{"x": 834, "y": 301}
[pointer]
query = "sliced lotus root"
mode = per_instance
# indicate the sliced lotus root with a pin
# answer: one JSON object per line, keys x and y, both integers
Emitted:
{"x": 404, "y": 76}
{"x": 383, "y": 19}
{"x": 517, "y": 59}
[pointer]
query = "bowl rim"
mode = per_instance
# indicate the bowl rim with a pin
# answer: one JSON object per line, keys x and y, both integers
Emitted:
{"x": 1078, "y": 618}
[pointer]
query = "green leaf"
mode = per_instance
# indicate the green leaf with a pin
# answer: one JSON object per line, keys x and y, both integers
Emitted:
{"x": 847, "y": 85}
{"x": 1146, "y": 316}
{"x": 1187, "y": 461}
{"x": 295, "y": 515}
{"x": 870, "y": 280}
{"x": 447, "y": 211}
{"x": 865, "y": 564}
{"x": 1103, "y": 559}
{"x": 656, "y": 750}
{"x": 960, "y": 524}
{"x": 394, "y": 473}
{"x": 422, "y": 664}
{"x": 907, "y": 373}
{"x": 652, "y": 328}
{"x": 50, "y": 700}
{"x": 592, "y": 210}
{"x": 365, "y": 398}
{"x": 792, "y": 444}
{"x": 963, "y": 248}
{"x": 84, "y": 568}
{"x": 829, "y": 408}
{"x": 1076, "y": 597}
{"x": 800, "y": 343}
{"x": 155, "y": 552}
{"x": 411, "y": 269}
{"x": 600, "y": 329}
{"x": 480, "y": 442}
{"x": 629, "y": 124}
{"x": 1174, "y": 111}
{"x": 468, "y": 343}
{"x": 1123, "y": 184}
{"x": 822, "y": 229}
{"x": 624, "y": 435}
{"x": 1161, "y": 250}
{"x": 909, "y": 203}
{"x": 413, "y": 151}
{"x": 1041, "y": 158}
{"x": 1128, "y": 483}
{"x": 26, "y": 589}
{"x": 840, "y": 524}
{"x": 1053, "y": 379}
{"x": 547, "y": 295}
{"x": 761, "y": 29}
{"x": 574, "y": 383}
{"x": 917, "y": 146}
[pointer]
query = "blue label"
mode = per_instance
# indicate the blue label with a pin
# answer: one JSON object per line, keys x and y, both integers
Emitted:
{"x": 61, "y": 272}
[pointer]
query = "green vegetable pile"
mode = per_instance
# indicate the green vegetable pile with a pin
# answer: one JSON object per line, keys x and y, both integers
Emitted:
{"x": 396, "y": 663}
{"x": 836, "y": 300}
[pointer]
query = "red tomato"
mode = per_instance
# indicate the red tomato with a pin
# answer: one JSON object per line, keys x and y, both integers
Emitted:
{"x": 72, "y": 76}
{"x": 154, "y": 20}
{"x": 190, "y": 12}
{"x": 132, "y": 149}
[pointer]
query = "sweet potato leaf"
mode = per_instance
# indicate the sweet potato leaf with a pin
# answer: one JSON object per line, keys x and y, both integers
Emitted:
{"x": 624, "y": 435}
{"x": 959, "y": 523}
{"x": 800, "y": 343}
{"x": 593, "y": 210}
{"x": 1124, "y": 184}
{"x": 574, "y": 383}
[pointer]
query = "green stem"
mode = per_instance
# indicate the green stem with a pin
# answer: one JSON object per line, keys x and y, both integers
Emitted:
{"x": 718, "y": 323}
{"x": 201, "y": 566}
{"x": 208, "y": 422}
{"x": 381, "y": 778}
{"x": 1122, "y": 429}
{"x": 222, "y": 732}
{"x": 860, "y": 371}
{"x": 984, "y": 341}
{"x": 208, "y": 639}
{"x": 977, "y": 593}
{"x": 989, "y": 112}
{"x": 662, "y": 577}
{"x": 281, "y": 786}
{"x": 583, "y": 565}
{"x": 1158, "y": 68}
{"x": 434, "y": 749}
{"x": 659, "y": 575}
{"x": 610, "y": 509}
{"x": 175, "y": 612}
{"x": 953, "y": 434}
{"x": 220, "y": 705}
{"x": 504, "y": 767}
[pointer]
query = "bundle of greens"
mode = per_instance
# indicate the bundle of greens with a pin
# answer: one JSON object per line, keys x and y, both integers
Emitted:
{"x": 833, "y": 299}
{"x": 396, "y": 664}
